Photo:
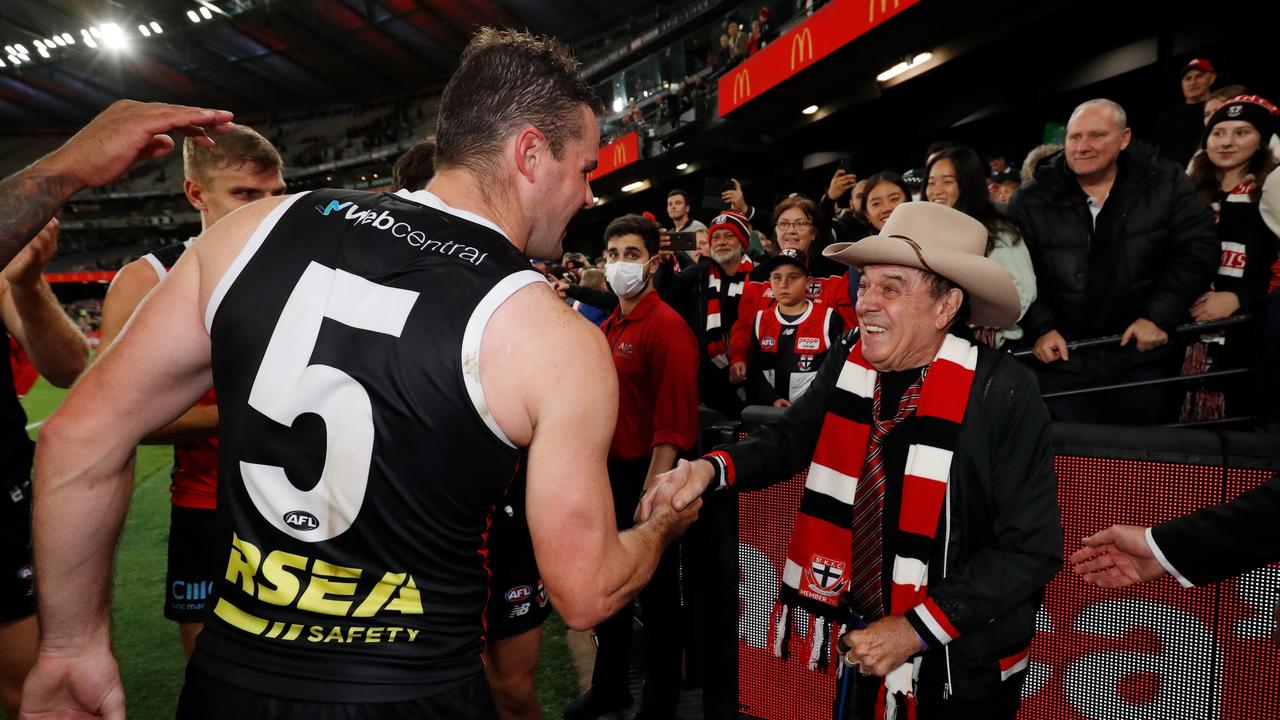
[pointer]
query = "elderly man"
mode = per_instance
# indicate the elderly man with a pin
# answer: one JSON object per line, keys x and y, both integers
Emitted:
{"x": 929, "y": 517}
{"x": 1121, "y": 245}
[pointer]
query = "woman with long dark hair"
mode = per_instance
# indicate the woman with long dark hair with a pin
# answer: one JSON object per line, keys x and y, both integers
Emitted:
{"x": 957, "y": 178}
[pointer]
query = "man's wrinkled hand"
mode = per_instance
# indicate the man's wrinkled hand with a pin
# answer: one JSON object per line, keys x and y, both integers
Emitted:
{"x": 1147, "y": 334}
{"x": 1051, "y": 347}
{"x": 882, "y": 646}
{"x": 680, "y": 486}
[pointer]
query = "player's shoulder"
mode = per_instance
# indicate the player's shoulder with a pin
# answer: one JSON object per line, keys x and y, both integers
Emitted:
{"x": 136, "y": 275}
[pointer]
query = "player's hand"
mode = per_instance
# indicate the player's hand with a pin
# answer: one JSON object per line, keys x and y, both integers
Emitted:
{"x": 738, "y": 373}
{"x": 662, "y": 509}
{"x": 128, "y": 132}
{"x": 1116, "y": 557}
{"x": 782, "y": 403}
{"x": 561, "y": 287}
{"x": 1215, "y": 306}
{"x": 734, "y": 198}
{"x": 1148, "y": 335}
{"x": 1051, "y": 346}
{"x": 684, "y": 484}
{"x": 66, "y": 687}
{"x": 28, "y": 267}
{"x": 882, "y": 646}
{"x": 840, "y": 184}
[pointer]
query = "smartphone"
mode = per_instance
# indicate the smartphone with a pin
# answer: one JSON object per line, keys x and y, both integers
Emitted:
{"x": 843, "y": 164}
{"x": 712, "y": 190}
{"x": 684, "y": 241}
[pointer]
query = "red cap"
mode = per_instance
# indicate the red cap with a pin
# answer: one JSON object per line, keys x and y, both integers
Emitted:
{"x": 1198, "y": 64}
{"x": 650, "y": 216}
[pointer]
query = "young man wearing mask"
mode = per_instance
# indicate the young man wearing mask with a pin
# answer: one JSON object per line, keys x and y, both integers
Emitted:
{"x": 656, "y": 358}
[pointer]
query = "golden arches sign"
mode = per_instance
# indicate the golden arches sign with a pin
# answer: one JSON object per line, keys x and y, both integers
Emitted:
{"x": 619, "y": 153}
{"x": 742, "y": 85}
{"x": 871, "y": 8}
{"x": 800, "y": 42}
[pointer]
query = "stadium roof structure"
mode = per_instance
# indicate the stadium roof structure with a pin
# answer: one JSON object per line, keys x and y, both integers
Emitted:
{"x": 65, "y": 60}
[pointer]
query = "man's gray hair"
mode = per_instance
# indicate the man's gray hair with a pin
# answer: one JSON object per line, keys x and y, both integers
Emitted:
{"x": 1121, "y": 117}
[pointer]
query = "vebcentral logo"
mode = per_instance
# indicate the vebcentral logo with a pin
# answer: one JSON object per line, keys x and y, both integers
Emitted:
{"x": 301, "y": 520}
{"x": 742, "y": 85}
{"x": 384, "y": 221}
{"x": 800, "y": 42}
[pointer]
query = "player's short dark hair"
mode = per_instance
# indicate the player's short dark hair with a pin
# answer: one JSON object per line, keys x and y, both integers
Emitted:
{"x": 681, "y": 193}
{"x": 635, "y": 225}
{"x": 509, "y": 79}
{"x": 415, "y": 168}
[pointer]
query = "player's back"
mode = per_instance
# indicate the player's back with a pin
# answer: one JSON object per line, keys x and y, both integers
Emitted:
{"x": 359, "y": 460}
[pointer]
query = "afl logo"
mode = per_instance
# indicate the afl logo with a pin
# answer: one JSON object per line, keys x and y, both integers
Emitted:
{"x": 519, "y": 593}
{"x": 301, "y": 520}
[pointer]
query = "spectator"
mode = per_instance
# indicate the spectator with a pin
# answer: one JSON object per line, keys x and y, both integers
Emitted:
{"x": 737, "y": 42}
{"x": 847, "y": 226}
{"x": 656, "y": 358}
{"x": 798, "y": 224}
{"x": 678, "y": 211}
{"x": 766, "y": 28}
{"x": 755, "y": 40}
{"x": 1178, "y": 129}
{"x": 593, "y": 279}
{"x": 884, "y": 192}
{"x": 1039, "y": 154}
{"x": 1230, "y": 174}
{"x": 1120, "y": 244}
{"x": 790, "y": 340}
{"x": 707, "y": 295}
{"x": 955, "y": 179}
{"x": 1218, "y": 97}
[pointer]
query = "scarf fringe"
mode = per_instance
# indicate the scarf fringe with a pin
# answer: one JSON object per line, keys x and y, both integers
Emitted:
{"x": 782, "y": 632}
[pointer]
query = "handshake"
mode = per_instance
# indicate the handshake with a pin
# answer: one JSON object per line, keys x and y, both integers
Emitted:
{"x": 677, "y": 491}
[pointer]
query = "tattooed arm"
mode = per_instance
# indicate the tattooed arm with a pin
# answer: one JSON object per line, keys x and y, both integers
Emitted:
{"x": 114, "y": 141}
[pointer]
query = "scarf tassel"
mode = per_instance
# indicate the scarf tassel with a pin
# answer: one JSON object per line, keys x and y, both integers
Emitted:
{"x": 782, "y": 633}
{"x": 819, "y": 635}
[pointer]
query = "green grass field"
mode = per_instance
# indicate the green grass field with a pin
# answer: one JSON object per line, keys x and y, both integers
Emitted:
{"x": 146, "y": 644}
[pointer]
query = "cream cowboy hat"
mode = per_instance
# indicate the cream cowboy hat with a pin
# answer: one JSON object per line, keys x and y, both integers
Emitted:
{"x": 934, "y": 237}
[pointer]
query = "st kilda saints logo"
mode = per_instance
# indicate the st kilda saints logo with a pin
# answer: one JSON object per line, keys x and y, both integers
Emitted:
{"x": 301, "y": 520}
{"x": 804, "y": 363}
{"x": 826, "y": 576}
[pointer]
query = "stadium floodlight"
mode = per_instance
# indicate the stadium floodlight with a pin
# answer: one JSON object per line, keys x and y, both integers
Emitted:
{"x": 636, "y": 186}
{"x": 144, "y": 30}
{"x": 88, "y": 40}
{"x": 682, "y": 166}
{"x": 195, "y": 17}
{"x": 205, "y": 12}
{"x": 95, "y": 32}
{"x": 43, "y": 53}
{"x": 14, "y": 59}
{"x": 2, "y": 64}
{"x": 923, "y": 57}
{"x": 155, "y": 27}
{"x": 894, "y": 71}
{"x": 8, "y": 50}
{"x": 113, "y": 37}
{"x": 39, "y": 44}
{"x": 57, "y": 39}
{"x": 69, "y": 38}
{"x": 618, "y": 104}
{"x": 810, "y": 110}
{"x": 20, "y": 49}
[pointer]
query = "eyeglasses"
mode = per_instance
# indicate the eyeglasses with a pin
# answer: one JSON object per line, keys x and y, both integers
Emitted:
{"x": 801, "y": 225}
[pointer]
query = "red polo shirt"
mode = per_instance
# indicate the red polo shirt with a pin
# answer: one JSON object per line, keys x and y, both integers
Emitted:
{"x": 656, "y": 357}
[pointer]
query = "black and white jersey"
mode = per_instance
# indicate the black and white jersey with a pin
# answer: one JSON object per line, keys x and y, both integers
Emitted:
{"x": 359, "y": 460}
{"x": 163, "y": 260}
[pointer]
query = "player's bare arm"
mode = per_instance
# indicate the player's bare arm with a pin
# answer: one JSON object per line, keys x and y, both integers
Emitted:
{"x": 590, "y": 569}
{"x": 35, "y": 318}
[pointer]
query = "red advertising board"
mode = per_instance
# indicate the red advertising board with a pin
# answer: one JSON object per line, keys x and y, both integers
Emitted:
{"x": 1155, "y": 651}
{"x": 837, "y": 24}
{"x": 617, "y": 154}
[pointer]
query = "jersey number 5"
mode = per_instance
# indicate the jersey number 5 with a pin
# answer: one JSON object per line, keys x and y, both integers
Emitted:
{"x": 287, "y": 386}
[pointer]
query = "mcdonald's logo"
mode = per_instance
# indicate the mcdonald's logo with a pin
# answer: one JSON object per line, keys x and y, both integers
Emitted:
{"x": 871, "y": 8}
{"x": 799, "y": 43}
{"x": 619, "y": 154}
{"x": 742, "y": 85}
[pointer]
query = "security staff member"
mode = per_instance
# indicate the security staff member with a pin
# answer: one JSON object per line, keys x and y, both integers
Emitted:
{"x": 656, "y": 357}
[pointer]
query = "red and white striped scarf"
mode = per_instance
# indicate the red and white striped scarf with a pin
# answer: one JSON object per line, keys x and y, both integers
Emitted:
{"x": 717, "y": 332}
{"x": 817, "y": 571}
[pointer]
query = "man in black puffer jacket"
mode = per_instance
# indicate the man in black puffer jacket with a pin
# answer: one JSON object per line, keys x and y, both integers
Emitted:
{"x": 1121, "y": 245}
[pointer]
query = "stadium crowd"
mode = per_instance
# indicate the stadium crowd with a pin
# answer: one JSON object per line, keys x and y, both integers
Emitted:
{"x": 1168, "y": 251}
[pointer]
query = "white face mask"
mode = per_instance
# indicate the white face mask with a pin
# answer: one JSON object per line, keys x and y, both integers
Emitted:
{"x": 626, "y": 279}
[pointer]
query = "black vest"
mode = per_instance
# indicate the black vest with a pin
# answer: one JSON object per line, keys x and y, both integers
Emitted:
{"x": 359, "y": 463}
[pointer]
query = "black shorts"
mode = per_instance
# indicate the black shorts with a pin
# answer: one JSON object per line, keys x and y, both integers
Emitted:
{"x": 17, "y": 579}
{"x": 517, "y": 600}
{"x": 205, "y": 697}
{"x": 193, "y": 563}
